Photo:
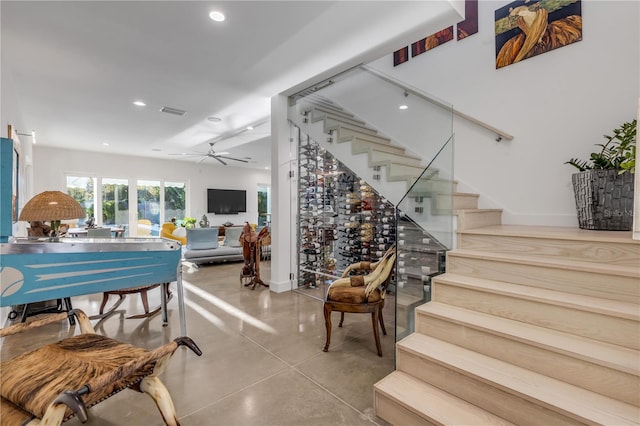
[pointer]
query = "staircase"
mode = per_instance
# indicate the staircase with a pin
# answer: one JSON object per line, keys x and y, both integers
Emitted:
{"x": 529, "y": 325}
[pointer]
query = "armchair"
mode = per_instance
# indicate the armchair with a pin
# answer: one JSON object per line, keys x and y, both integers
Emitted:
{"x": 361, "y": 294}
{"x": 167, "y": 232}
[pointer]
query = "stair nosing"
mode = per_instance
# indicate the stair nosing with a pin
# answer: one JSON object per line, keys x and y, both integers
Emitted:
{"x": 417, "y": 410}
{"x": 600, "y": 268}
{"x": 537, "y": 336}
{"x": 580, "y": 302}
{"x": 530, "y": 386}
{"x": 553, "y": 232}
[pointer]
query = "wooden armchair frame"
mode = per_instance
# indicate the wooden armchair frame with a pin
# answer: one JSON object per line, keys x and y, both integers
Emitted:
{"x": 36, "y": 390}
{"x": 361, "y": 294}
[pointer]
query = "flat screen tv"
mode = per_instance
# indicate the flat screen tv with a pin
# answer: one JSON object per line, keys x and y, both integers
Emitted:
{"x": 226, "y": 201}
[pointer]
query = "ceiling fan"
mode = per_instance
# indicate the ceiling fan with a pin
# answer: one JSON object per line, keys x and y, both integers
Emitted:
{"x": 216, "y": 155}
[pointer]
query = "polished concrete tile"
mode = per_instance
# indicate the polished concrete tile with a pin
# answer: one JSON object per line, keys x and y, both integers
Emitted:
{"x": 288, "y": 398}
{"x": 262, "y": 361}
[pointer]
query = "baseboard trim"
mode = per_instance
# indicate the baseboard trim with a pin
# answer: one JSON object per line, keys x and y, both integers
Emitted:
{"x": 280, "y": 287}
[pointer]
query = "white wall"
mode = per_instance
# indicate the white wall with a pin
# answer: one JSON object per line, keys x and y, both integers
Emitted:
{"x": 51, "y": 165}
{"x": 557, "y": 105}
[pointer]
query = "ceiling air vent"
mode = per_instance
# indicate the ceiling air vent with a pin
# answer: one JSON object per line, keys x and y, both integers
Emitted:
{"x": 174, "y": 111}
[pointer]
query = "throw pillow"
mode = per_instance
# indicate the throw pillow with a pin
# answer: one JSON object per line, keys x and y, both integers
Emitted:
{"x": 179, "y": 232}
{"x": 232, "y": 236}
{"x": 202, "y": 238}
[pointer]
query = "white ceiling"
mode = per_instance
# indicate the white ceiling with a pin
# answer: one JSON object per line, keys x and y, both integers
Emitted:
{"x": 72, "y": 69}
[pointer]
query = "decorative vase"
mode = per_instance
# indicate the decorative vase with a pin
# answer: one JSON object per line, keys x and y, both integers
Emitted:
{"x": 604, "y": 199}
{"x": 204, "y": 223}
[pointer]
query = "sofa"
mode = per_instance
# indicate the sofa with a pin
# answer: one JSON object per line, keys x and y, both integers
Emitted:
{"x": 203, "y": 245}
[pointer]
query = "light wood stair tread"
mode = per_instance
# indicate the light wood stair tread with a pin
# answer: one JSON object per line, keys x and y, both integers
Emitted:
{"x": 594, "y": 351}
{"x": 574, "y": 301}
{"x": 626, "y": 271}
{"x": 557, "y": 232}
{"x": 558, "y": 396}
{"x": 432, "y": 403}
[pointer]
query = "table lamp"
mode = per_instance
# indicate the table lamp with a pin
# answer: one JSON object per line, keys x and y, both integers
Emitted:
{"x": 52, "y": 206}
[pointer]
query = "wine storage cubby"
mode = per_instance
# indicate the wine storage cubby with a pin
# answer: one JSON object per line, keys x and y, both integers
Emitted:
{"x": 342, "y": 220}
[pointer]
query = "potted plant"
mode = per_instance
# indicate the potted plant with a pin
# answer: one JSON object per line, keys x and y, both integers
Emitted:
{"x": 604, "y": 186}
{"x": 189, "y": 222}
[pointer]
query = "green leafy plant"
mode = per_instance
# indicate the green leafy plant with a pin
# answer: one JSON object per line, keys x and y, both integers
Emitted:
{"x": 189, "y": 222}
{"x": 619, "y": 152}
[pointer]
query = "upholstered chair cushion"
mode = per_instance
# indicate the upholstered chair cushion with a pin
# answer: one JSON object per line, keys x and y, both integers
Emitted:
{"x": 352, "y": 295}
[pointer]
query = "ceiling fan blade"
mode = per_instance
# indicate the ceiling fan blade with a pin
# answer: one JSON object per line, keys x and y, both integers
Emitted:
{"x": 201, "y": 160}
{"x": 231, "y": 158}
{"x": 218, "y": 158}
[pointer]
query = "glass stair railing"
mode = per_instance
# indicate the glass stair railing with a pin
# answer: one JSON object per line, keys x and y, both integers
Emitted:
{"x": 399, "y": 142}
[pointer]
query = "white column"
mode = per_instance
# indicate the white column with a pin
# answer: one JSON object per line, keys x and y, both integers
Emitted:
{"x": 283, "y": 221}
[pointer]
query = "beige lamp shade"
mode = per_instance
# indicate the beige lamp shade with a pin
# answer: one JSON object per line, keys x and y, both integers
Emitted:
{"x": 50, "y": 206}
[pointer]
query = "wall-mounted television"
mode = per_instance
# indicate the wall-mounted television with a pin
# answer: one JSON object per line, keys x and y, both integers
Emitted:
{"x": 226, "y": 201}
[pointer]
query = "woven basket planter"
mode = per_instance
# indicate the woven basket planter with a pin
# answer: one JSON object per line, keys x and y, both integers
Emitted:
{"x": 604, "y": 199}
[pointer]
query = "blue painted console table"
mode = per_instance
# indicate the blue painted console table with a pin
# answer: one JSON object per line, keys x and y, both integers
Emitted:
{"x": 35, "y": 271}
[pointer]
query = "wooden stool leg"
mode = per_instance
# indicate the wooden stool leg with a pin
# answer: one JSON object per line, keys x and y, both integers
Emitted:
{"x": 152, "y": 386}
{"x": 105, "y": 299}
{"x": 341, "y": 319}
{"x": 327, "y": 324}
{"x": 376, "y": 335}
{"x": 145, "y": 301}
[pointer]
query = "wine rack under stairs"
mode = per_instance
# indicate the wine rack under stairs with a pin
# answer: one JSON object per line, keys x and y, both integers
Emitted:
{"x": 342, "y": 220}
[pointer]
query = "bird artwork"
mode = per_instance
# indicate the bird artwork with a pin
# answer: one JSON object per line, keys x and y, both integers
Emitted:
{"x": 529, "y": 32}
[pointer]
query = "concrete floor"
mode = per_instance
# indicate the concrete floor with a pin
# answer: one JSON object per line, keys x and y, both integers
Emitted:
{"x": 262, "y": 361}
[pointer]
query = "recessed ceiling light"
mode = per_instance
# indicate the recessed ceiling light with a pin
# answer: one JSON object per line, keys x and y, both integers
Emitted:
{"x": 139, "y": 103}
{"x": 217, "y": 16}
{"x": 403, "y": 107}
{"x": 214, "y": 119}
{"x": 105, "y": 143}
{"x": 249, "y": 127}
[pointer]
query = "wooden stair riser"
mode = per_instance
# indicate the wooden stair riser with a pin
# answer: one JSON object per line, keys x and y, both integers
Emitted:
{"x": 317, "y": 116}
{"x": 587, "y": 251}
{"x": 344, "y": 133}
{"x": 404, "y": 400}
{"x": 456, "y": 201}
{"x": 593, "y": 325}
{"x": 395, "y": 413}
{"x": 350, "y": 130}
{"x": 474, "y": 218}
{"x": 432, "y": 186}
{"x": 332, "y": 111}
{"x": 362, "y": 146}
{"x": 498, "y": 401}
{"x": 380, "y": 158}
{"x": 532, "y": 355}
{"x": 605, "y": 285}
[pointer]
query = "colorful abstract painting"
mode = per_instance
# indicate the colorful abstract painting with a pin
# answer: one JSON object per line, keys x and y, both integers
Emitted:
{"x": 464, "y": 29}
{"x": 525, "y": 29}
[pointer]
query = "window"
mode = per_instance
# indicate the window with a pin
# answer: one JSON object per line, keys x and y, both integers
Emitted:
{"x": 157, "y": 201}
{"x": 115, "y": 202}
{"x": 174, "y": 200}
{"x": 264, "y": 205}
{"x": 148, "y": 208}
{"x": 82, "y": 189}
